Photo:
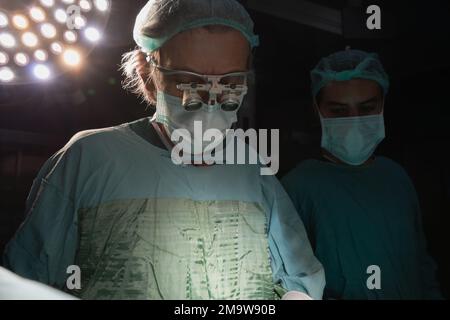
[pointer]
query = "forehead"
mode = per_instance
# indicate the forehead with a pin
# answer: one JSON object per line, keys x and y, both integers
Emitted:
{"x": 351, "y": 90}
{"x": 207, "y": 52}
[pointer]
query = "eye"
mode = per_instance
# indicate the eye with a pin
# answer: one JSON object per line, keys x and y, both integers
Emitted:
{"x": 181, "y": 78}
{"x": 368, "y": 108}
{"x": 234, "y": 80}
{"x": 338, "y": 110}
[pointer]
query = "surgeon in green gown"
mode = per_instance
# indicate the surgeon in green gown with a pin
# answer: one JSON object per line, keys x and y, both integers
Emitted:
{"x": 361, "y": 211}
{"x": 140, "y": 226}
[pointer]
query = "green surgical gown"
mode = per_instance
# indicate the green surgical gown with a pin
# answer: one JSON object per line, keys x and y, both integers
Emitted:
{"x": 139, "y": 227}
{"x": 357, "y": 217}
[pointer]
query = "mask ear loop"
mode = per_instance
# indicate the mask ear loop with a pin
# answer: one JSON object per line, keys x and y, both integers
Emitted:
{"x": 161, "y": 135}
{"x": 324, "y": 154}
{"x": 316, "y": 107}
{"x": 383, "y": 105}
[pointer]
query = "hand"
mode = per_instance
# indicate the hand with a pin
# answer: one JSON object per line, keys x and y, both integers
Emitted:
{"x": 296, "y": 295}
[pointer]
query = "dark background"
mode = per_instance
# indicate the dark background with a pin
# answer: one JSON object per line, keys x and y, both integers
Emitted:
{"x": 36, "y": 120}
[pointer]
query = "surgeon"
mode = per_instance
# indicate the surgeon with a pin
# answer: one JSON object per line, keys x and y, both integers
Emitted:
{"x": 139, "y": 226}
{"x": 361, "y": 211}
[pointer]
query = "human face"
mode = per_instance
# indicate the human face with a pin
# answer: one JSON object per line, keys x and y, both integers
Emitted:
{"x": 203, "y": 52}
{"x": 353, "y": 98}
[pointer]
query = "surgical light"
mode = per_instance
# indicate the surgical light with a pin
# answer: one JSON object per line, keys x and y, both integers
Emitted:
{"x": 85, "y": 5}
{"x": 6, "y": 74}
{"x": 41, "y": 39}
{"x": 21, "y": 59}
{"x": 7, "y": 40}
{"x": 41, "y": 55}
{"x": 4, "y": 58}
{"x": 3, "y": 20}
{"x": 29, "y": 39}
{"x": 102, "y": 5}
{"x": 20, "y": 21}
{"x": 42, "y": 72}
{"x": 92, "y": 34}
{"x": 70, "y": 36}
{"x": 37, "y": 14}
{"x": 60, "y": 16}
{"x": 48, "y": 30}
{"x": 80, "y": 22}
{"x": 72, "y": 57}
{"x": 47, "y": 3}
{"x": 56, "y": 48}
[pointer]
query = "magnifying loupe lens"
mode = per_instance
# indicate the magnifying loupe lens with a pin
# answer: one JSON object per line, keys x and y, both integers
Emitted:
{"x": 230, "y": 106}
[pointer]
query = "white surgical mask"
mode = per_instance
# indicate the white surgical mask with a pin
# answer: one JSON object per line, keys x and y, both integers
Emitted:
{"x": 352, "y": 140}
{"x": 171, "y": 114}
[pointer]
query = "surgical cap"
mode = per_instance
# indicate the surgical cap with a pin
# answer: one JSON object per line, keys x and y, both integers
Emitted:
{"x": 160, "y": 20}
{"x": 347, "y": 65}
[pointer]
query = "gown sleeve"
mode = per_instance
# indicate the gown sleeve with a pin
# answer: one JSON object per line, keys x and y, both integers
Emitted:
{"x": 294, "y": 265}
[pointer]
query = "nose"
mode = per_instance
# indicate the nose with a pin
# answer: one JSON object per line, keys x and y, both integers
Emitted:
{"x": 212, "y": 107}
{"x": 354, "y": 112}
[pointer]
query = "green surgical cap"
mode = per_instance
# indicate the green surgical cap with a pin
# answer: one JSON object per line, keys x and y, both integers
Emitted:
{"x": 160, "y": 20}
{"x": 347, "y": 65}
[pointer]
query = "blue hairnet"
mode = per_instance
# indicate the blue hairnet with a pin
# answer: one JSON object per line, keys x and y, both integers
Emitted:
{"x": 347, "y": 65}
{"x": 160, "y": 20}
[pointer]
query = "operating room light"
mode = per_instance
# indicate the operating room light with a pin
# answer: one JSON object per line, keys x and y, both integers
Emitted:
{"x": 60, "y": 16}
{"x": 80, "y": 22}
{"x": 85, "y": 5}
{"x": 72, "y": 58}
{"x": 6, "y": 74}
{"x": 3, "y": 58}
{"x": 92, "y": 34}
{"x": 48, "y": 30}
{"x": 20, "y": 21}
{"x": 21, "y": 59}
{"x": 41, "y": 72}
{"x": 47, "y": 3}
{"x": 37, "y": 14}
{"x": 102, "y": 5}
{"x": 56, "y": 48}
{"x": 70, "y": 36}
{"x": 41, "y": 55}
{"x": 7, "y": 40}
{"x": 29, "y": 39}
{"x": 41, "y": 39}
{"x": 3, "y": 20}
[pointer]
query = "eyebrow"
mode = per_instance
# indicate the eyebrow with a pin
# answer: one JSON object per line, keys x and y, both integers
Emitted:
{"x": 229, "y": 72}
{"x": 374, "y": 99}
{"x": 336, "y": 103}
{"x": 189, "y": 69}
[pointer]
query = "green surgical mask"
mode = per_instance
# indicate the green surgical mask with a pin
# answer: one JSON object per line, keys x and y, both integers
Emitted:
{"x": 352, "y": 140}
{"x": 171, "y": 114}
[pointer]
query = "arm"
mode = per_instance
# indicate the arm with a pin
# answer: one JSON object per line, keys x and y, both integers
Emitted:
{"x": 294, "y": 265}
{"x": 45, "y": 244}
{"x": 430, "y": 285}
{"x": 427, "y": 267}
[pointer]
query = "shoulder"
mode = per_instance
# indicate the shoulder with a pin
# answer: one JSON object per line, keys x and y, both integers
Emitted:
{"x": 305, "y": 171}
{"x": 392, "y": 168}
{"x": 97, "y": 138}
{"x": 89, "y": 148}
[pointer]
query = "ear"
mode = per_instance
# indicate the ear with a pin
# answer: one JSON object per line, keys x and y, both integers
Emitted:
{"x": 145, "y": 74}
